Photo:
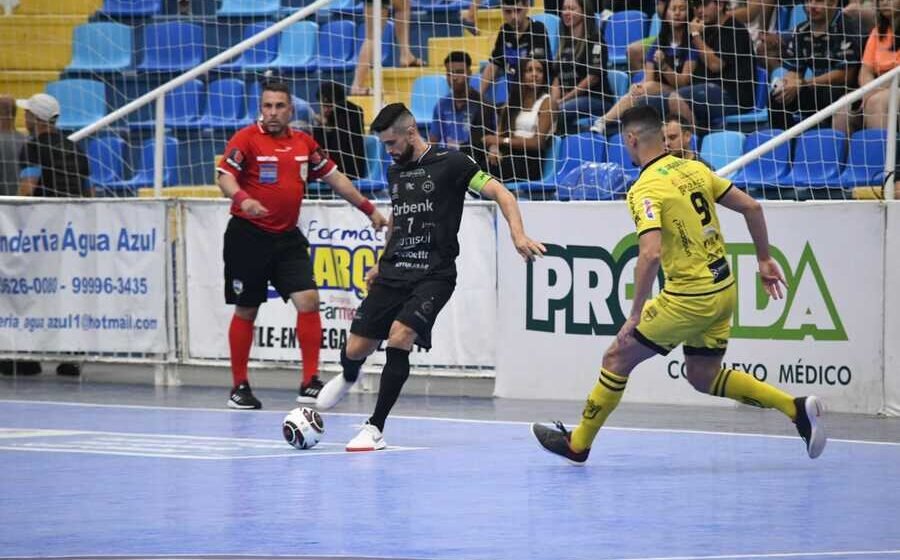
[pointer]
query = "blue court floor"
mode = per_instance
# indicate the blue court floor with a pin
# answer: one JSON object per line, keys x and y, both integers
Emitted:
{"x": 84, "y": 477}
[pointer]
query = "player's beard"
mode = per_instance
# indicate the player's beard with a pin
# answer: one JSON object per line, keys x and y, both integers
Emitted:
{"x": 406, "y": 156}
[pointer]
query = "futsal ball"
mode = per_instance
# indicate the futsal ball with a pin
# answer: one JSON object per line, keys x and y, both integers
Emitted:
{"x": 303, "y": 428}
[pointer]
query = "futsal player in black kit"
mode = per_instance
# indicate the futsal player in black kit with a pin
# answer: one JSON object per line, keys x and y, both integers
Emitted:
{"x": 416, "y": 275}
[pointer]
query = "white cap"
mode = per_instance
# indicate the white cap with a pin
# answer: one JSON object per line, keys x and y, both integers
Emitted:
{"x": 43, "y": 106}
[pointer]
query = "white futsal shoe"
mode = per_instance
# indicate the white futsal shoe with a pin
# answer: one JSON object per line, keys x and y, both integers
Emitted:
{"x": 369, "y": 438}
{"x": 809, "y": 425}
{"x": 334, "y": 392}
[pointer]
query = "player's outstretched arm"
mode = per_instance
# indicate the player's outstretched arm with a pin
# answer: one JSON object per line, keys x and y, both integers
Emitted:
{"x": 528, "y": 248}
{"x": 342, "y": 185}
{"x": 769, "y": 272}
{"x": 231, "y": 189}
{"x": 649, "y": 251}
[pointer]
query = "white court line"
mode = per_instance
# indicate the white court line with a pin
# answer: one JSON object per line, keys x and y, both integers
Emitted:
{"x": 441, "y": 419}
{"x": 92, "y": 447}
{"x": 830, "y": 553}
{"x": 823, "y": 554}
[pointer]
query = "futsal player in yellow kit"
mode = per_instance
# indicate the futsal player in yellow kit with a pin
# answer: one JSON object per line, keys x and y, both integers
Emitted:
{"x": 673, "y": 206}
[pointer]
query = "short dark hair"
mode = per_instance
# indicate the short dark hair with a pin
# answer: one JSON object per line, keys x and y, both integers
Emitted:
{"x": 388, "y": 116}
{"x": 278, "y": 86}
{"x": 514, "y": 2}
{"x": 332, "y": 92}
{"x": 458, "y": 56}
{"x": 644, "y": 116}
{"x": 685, "y": 126}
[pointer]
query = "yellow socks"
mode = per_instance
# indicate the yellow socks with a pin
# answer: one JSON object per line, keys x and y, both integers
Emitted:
{"x": 602, "y": 401}
{"x": 745, "y": 388}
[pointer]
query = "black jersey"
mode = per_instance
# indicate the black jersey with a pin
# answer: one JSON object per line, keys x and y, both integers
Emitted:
{"x": 427, "y": 204}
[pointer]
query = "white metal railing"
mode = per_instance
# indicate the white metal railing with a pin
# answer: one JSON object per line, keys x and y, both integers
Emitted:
{"x": 804, "y": 125}
{"x": 159, "y": 93}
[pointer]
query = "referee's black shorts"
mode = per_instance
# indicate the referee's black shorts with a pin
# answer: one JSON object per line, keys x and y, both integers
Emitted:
{"x": 416, "y": 306}
{"x": 255, "y": 257}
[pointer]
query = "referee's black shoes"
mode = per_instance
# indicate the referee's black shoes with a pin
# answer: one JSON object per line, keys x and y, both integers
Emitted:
{"x": 242, "y": 398}
{"x": 809, "y": 410}
{"x": 557, "y": 442}
{"x": 309, "y": 392}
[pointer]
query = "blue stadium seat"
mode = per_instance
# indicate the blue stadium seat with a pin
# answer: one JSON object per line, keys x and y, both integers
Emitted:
{"x": 101, "y": 47}
{"x": 243, "y": 8}
{"x": 865, "y": 159}
{"x": 798, "y": 16}
{"x": 768, "y": 169}
{"x": 377, "y": 162}
{"x": 387, "y": 42}
{"x": 302, "y": 110}
{"x": 296, "y": 48}
{"x": 337, "y": 46}
{"x": 655, "y": 25}
{"x": 620, "y": 30}
{"x": 619, "y": 82}
{"x": 131, "y": 8}
{"x": 571, "y": 152}
{"x": 106, "y": 159}
{"x": 225, "y": 108}
{"x": 760, "y": 113}
{"x": 143, "y": 176}
{"x": 551, "y": 23}
{"x": 426, "y": 91}
{"x": 617, "y": 153}
{"x": 818, "y": 155}
{"x": 594, "y": 181}
{"x": 722, "y": 147}
{"x": 172, "y": 46}
{"x": 81, "y": 102}
{"x": 182, "y": 107}
{"x": 259, "y": 56}
{"x": 547, "y": 184}
{"x": 345, "y": 7}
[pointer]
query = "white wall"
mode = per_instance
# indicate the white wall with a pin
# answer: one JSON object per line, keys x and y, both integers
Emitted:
{"x": 892, "y": 312}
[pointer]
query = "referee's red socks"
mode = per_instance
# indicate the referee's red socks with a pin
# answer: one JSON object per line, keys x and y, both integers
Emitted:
{"x": 240, "y": 339}
{"x": 309, "y": 335}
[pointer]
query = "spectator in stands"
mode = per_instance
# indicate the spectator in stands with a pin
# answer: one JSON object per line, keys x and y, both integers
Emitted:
{"x": 340, "y": 130}
{"x": 678, "y": 135}
{"x": 519, "y": 39}
{"x": 882, "y": 54}
{"x": 11, "y": 142}
{"x": 401, "y": 31}
{"x": 669, "y": 65}
{"x": 827, "y": 46}
{"x": 580, "y": 87}
{"x": 725, "y": 73}
{"x": 462, "y": 118}
{"x": 526, "y": 126}
{"x": 637, "y": 51}
{"x": 50, "y": 164}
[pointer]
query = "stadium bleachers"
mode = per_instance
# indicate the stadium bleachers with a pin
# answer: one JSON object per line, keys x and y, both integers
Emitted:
{"x": 128, "y": 47}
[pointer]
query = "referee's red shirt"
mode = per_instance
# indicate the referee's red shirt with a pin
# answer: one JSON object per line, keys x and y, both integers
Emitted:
{"x": 274, "y": 171}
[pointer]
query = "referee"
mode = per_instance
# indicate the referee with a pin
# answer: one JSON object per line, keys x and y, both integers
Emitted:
{"x": 265, "y": 170}
{"x": 416, "y": 275}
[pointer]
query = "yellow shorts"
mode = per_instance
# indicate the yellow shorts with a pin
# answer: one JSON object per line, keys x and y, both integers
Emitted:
{"x": 701, "y": 323}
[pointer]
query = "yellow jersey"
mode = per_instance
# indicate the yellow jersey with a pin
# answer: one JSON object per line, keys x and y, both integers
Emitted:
{"x": 678, "y": 197}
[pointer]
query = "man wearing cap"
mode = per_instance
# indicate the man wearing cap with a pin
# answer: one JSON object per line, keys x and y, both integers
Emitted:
{"x": 51, "y": 165}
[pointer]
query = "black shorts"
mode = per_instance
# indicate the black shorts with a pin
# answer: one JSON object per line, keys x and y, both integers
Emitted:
{"x": 254, "y": 257}
{"x": 416, "y": 306}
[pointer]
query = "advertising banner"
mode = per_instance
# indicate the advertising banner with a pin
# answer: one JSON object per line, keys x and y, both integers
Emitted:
{"x": 83, "y": 277}
{"x": 558, "y": 316}
{"x": 343, "y": 247}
